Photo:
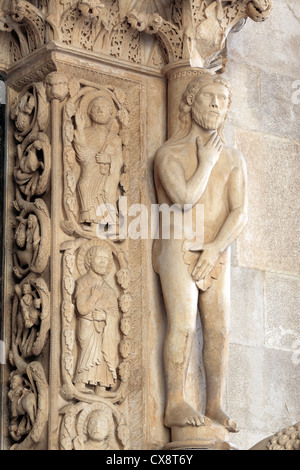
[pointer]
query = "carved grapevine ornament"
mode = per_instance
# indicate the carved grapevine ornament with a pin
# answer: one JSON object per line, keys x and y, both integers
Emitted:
{"x": 30, "y": 315}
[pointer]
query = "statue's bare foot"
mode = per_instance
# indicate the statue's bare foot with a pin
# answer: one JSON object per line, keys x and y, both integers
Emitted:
{"x": 221, "y": 417}
{"x": 183, "y": 414}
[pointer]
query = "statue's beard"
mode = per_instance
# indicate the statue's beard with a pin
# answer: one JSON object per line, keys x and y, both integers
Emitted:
{"x": 208, "y": 121}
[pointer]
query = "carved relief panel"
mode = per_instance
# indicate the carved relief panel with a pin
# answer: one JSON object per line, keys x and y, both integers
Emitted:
{"x": 95, "y": 152}
{"x": 98, "y": 296}
{"x": 98, "y": 301}
{"x": 30, "y": 309}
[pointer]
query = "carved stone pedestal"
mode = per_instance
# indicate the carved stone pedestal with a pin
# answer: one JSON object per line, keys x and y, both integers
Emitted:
{"x": 211, "y": 437}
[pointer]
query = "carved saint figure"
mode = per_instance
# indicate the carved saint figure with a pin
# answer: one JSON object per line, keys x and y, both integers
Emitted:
{"x": 196, "y": 167}
{"x": 99, "y": 153}
{"x": 97, "y": 332}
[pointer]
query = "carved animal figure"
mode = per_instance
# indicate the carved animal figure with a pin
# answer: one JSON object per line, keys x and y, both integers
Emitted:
{"x": 23, "y": 404}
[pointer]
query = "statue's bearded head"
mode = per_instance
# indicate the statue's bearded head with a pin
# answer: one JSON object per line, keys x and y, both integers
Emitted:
{"x": 101, "y": 110}
{"x": 99, "y": 259}
{"x": 208, "y": 98}
{"x": 210, "y": 106}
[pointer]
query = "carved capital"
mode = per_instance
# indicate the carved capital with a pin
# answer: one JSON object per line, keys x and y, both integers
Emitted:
{"x": 197, "y": 30}
{"x": 185, "y": 29}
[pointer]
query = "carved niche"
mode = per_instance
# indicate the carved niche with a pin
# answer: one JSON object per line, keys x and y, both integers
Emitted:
{"x": 95, "y": 154}
{"x": 96, "y": 321}
{"x": 101, "y": 148}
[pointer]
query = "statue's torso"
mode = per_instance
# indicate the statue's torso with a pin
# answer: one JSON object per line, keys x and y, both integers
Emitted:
{"x": 215, "y": 197}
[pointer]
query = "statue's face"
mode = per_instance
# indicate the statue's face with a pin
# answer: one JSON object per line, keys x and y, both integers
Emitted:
{"x": 26, "y": 289}
{"x": 98, "y": 426}
{"x": 16, "y": 381}
{"x": 101, "y": 111}
{"x": 99, "y": 262}
{"x": 210, "y": 106}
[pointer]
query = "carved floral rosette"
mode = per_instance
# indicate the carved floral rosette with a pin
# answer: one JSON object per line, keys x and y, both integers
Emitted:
{"x": 73, "y": 267}
{"x": 30, "y": 314}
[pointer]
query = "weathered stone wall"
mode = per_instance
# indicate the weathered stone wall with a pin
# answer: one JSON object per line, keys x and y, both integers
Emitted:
{"x": 264, "y": 371}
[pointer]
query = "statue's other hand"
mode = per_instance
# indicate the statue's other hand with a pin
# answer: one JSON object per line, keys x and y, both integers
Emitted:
{"x": 210, "y": 152}
{"x": 206, "y": 261}
{"x": 99, "y": 315}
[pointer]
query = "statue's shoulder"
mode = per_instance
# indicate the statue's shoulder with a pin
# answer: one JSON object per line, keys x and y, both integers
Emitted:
{"x": 108, "y": 288}
{"x": 83, "y": 282}
{"x": 236, "y": 157}
{"x": 168, "y": 150}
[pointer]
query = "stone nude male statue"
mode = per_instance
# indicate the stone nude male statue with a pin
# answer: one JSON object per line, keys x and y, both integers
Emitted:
{"x": 196, "y": 167}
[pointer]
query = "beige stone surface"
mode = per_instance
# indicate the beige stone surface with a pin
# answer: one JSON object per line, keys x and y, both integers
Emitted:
{"x": 282, "y": 298}
{"x": 274, "y": 47}
{"x": 265, "y": 103}
{"x": 271, "y": 239}
{"x": 284, "y": 439}
{"x": 265, "y": 398}
{"x": 247, "y": 307}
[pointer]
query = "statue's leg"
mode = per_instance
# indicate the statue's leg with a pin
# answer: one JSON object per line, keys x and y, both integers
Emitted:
{"x": 181, "y": 301}
{"x": 214, "y": 306}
